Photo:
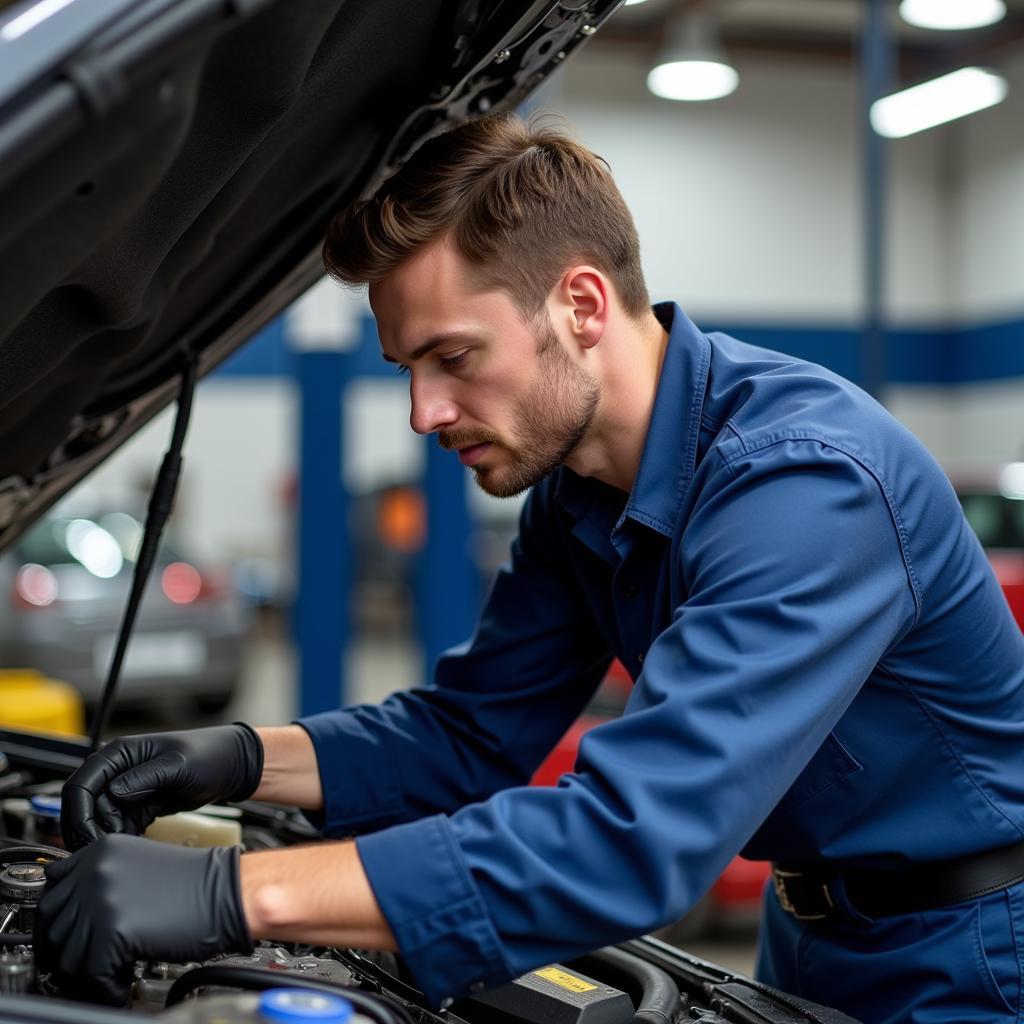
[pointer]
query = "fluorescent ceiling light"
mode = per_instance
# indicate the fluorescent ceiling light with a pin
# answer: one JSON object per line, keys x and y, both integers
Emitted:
{"x": 1011, "y": 480}
{"x": 692, "y": 65}
{"x": 942, "y": 99}
{"x": 94, "y": 548}
{"x": 692, "y": 80}
{"x": 633, "y": 3}
{"x": 952, "y": 14}
{"x": 33, "y": 16}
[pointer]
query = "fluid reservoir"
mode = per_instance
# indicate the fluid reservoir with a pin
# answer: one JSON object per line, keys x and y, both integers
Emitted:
{"x": 295, "y": 1005}
{"x": 274, "y": 1006}
{"x": 42, "y": 825}
{"x": 192, "y": 829}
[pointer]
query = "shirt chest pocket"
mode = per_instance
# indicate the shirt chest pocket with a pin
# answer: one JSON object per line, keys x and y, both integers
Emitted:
{"x": 813, "y": 809}
{"x": 831, "y": 763}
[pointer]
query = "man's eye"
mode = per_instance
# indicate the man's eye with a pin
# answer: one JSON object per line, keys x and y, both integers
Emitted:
{"x": 450, "y": 361}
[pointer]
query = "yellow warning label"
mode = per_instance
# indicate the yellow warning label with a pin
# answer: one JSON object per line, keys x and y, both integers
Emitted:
{"x": 563, "y": 980}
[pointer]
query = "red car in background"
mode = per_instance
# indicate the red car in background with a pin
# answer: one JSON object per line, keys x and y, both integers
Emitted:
{"x": 992, "y": 498}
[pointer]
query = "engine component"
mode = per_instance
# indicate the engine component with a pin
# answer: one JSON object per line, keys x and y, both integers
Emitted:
{"x": 656, "y": 996}
{"x": 380, "y": 1009}
{"x": 551, "y": 995}
{"x": 283, "y": 1005}
{"x": 17, "y": 973}
{"x": 21, "y": 888}
{"x": 279, "y": 960}
{"x": 154, "y": 981}
{"x": 22, "y": 882}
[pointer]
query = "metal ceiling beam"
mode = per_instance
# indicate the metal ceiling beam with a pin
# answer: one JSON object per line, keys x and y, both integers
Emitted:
{"x": 919, "y": 56}
{"x": 877, "y": 53}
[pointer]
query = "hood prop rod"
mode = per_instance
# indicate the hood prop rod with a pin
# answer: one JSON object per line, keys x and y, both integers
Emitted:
{"x": 160, "y": 504}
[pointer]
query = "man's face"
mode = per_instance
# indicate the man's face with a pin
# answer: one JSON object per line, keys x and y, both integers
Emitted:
{"x": 503, "y": 393}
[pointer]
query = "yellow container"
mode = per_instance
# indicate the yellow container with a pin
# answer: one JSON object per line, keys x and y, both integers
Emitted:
{"x": 28, "y": 700}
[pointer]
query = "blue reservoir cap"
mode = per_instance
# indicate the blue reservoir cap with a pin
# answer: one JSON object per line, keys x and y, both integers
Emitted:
{"x": 296, "y": 1005}
{"x": 48, "y": 806}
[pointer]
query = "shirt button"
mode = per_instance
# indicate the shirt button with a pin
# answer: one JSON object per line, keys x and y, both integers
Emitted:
{"x": 630, "y": 590}
{"x": 640, "y": 658}
{"x": 477, "y": 986}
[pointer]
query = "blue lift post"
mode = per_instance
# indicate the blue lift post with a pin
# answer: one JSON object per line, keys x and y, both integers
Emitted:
{"x": 447, "y": 579}
{"x": 322, "y": 619}
{"x": 878, "y": 65}
{"x": 446, "y": 584}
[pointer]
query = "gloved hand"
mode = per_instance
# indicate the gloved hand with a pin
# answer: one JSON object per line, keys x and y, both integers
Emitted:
{"x": 127, "y": 898}
{"x": 135, "y": 779}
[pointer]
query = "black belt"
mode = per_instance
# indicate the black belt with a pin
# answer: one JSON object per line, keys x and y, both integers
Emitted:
{"x": 808, "y": 892}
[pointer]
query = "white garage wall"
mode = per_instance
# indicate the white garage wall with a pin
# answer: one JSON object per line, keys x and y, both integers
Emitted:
{"x": 987, "y": 219}
{"x": 987, "y": 231}
{"x": 975, "y": 422}
{"x": 931, "y": 413}
{"x": 749, "y": 208}
{"x": 990, "y": 421}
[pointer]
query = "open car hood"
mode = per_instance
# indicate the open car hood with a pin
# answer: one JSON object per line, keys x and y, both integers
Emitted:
{"x": 168, "y": 168}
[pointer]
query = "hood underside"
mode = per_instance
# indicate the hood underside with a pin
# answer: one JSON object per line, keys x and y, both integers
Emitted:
{"x": 168, "y": 168}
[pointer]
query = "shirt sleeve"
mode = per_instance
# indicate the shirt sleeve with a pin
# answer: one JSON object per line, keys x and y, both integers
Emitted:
{"x": 796, "y": 586}
{"x": 498, "y": 705}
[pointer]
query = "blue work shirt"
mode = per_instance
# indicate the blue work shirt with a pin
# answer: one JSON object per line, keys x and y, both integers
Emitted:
{"x": 824, "y": 668}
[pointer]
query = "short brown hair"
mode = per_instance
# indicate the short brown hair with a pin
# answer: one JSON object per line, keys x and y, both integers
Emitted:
{"x": 522, "y": 201}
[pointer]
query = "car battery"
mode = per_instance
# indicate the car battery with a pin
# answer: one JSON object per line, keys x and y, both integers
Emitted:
{"x": 549, "y": 995}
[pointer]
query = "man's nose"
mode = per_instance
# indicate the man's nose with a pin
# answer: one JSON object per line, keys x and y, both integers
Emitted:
{"x": 432, "y": 409}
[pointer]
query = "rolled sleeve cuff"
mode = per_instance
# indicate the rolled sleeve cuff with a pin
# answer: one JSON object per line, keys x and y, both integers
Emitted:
{"x": 434, "y": 908}
{"x": 361, "y": 786}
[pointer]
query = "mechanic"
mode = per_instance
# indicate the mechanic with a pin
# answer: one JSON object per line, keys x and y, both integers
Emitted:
{"x": 826, "y": 672}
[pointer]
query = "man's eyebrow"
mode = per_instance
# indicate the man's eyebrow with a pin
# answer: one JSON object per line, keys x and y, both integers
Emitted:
{"x": 428, "y": 346}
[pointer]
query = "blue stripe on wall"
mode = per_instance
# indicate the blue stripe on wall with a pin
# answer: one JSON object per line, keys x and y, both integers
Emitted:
{"x": 988, "y": 352}
{"x": 913, "y": 356}
{"x": 265, "y": 354}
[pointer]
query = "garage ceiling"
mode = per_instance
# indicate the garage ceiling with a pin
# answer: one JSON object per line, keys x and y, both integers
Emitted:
{"x": 818, "y": 30}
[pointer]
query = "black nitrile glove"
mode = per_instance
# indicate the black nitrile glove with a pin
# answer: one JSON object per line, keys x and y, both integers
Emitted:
{"x": 127, "y": 898}
{"x": 135, "y": 779}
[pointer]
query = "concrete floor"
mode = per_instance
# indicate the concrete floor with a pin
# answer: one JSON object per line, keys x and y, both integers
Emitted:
{"x": 376, "y": 667}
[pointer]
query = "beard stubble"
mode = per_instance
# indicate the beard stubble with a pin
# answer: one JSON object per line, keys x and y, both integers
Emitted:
{"x": 551, "y": 420}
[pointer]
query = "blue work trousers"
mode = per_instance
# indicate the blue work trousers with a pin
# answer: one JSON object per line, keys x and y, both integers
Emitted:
{"x": 958, "y": 964}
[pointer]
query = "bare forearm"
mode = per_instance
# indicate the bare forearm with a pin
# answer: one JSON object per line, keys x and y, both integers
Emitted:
{"x": 290, "y": 772}
{"x": 313, "y": 894}
{"x": 317, "y": 894}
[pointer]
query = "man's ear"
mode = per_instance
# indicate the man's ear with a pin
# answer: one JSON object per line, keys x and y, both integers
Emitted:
{"x": 584, "y": 293}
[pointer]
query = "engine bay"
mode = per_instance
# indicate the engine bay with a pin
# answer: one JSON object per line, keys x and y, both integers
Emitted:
{"x": 642, "y": 980}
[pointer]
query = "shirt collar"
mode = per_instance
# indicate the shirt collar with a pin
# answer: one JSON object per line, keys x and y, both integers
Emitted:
{"x": 670, "y": 448}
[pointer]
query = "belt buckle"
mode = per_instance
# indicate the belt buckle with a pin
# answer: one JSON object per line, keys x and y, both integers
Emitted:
{"x": 779, "y": 881}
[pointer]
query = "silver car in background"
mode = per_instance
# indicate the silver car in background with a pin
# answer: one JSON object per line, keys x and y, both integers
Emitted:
{"x": 65, "y": 584}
